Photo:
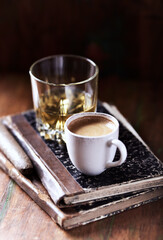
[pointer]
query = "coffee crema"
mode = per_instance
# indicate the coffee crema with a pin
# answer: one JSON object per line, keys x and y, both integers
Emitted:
{"x": 91, "y": 126}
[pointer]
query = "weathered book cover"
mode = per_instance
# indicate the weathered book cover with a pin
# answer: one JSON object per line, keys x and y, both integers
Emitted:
{"x": 71, "y": 217}
{"x": 66, "y": 185}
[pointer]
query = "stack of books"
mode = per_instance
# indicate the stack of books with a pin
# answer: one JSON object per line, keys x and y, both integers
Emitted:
{"x": 70, "y": 197}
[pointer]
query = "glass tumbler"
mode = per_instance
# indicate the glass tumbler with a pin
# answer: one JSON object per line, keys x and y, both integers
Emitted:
{"x": 62, "y": 85}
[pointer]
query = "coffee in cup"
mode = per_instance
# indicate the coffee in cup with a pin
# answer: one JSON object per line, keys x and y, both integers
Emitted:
{"x": 91, "y": 126}
{"x": 92, "y": 140}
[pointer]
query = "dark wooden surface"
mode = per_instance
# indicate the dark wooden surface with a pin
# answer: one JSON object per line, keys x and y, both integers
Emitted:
{"x": 20, "y": 218}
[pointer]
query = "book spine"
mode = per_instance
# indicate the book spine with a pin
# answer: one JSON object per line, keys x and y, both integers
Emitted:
{"x": 54, "y": 176}
{"x": 13, "y": 150}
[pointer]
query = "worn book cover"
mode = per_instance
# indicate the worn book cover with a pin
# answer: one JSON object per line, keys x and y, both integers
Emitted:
{"x": 75, "y": 216}
{"x": 66, "y": 186}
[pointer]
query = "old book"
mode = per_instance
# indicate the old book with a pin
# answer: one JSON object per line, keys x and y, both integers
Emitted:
{"x": 71, "y": 217}
{"x": 18, "y": 156}
{"x": 66, "y": 185}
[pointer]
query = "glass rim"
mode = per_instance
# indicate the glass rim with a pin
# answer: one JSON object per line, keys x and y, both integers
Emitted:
{"x": 65, "y": 84}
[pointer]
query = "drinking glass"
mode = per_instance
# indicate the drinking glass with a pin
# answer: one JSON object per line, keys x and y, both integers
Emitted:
{"x": 62, "y": 85}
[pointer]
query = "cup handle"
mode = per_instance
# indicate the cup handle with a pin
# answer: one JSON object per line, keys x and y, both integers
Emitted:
{"x": 123, "y": 153}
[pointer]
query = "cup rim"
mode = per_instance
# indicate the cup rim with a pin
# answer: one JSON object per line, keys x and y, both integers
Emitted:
{"x": 80, "y": 115}
{"x": 65, "y": 84}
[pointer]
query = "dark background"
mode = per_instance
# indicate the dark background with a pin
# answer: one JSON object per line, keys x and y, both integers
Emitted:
{"x": 125, "y": 38}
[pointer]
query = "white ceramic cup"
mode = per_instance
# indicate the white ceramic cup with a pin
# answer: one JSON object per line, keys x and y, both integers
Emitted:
{"x": 93, "y": 155}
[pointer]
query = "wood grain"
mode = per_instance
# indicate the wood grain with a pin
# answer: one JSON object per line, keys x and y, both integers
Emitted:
{"x": 141, "y": 103}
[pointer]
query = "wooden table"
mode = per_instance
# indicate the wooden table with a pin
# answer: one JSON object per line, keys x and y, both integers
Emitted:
{"x": 20, "y": 218}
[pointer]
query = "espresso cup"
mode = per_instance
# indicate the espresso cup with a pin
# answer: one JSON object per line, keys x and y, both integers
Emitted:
{"x": 92, "y": 140}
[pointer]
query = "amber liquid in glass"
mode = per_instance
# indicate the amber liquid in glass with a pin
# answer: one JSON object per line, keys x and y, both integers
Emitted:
{"x": 56, "y": 106}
